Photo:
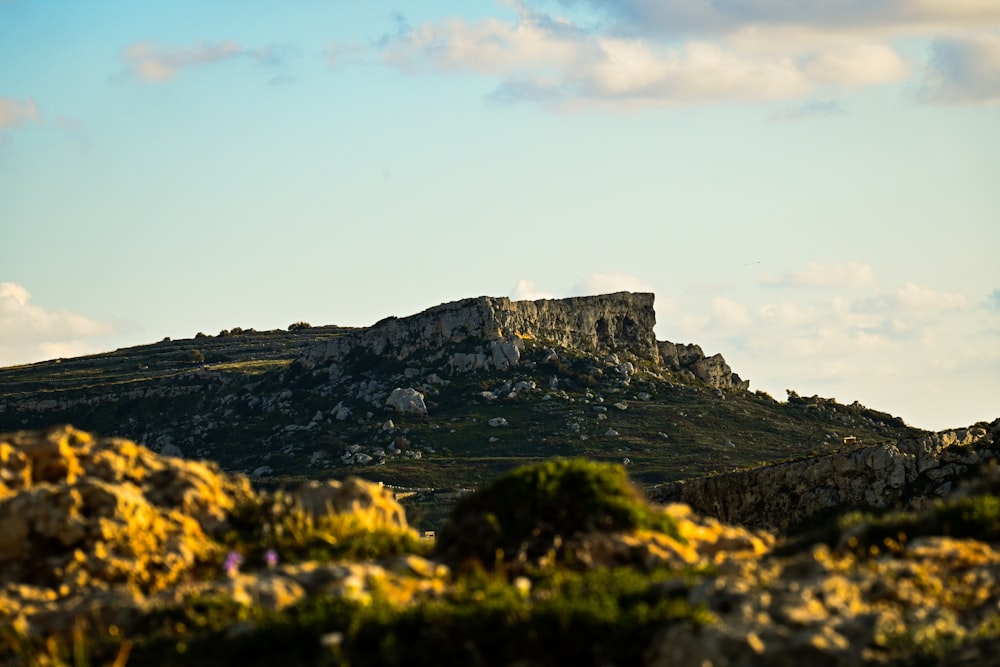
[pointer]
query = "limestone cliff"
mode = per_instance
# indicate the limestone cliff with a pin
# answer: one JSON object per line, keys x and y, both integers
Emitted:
{"x": 598, "y": 323}
{"x": 601, "y": 324}
{"x": 907, "y": 473}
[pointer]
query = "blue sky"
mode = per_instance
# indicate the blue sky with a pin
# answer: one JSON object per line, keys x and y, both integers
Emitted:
{"x": 810, "y": 188}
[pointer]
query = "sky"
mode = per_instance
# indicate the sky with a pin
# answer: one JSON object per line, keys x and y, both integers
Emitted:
{"x": 810, "y": 187}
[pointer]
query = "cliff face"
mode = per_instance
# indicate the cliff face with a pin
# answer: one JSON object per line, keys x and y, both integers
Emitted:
{"x": 592, "y": 324}
{"x": 601, "y": 324}
{"x": 909, "y": 473}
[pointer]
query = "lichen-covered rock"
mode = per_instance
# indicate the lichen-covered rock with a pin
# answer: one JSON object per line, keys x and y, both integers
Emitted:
{"x": 79, "y": 512}
{"x": 371, "y": 504}
{"x": 832, "y": 608}
{"x": 105, "y": 531}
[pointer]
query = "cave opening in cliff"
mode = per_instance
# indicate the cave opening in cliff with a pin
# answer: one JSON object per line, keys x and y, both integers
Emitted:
{"x": 602, "y": 330}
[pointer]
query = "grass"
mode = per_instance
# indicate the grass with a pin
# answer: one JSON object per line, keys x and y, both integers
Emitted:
{"x": 250, "y": 368}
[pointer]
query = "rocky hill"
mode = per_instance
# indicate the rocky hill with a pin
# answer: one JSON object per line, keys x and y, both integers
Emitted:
{"x": 441, "y": 401}
{"x": 113, "y": 554}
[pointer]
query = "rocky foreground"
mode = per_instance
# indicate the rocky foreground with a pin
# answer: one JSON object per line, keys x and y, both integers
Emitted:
{"x": 112, "y": 554}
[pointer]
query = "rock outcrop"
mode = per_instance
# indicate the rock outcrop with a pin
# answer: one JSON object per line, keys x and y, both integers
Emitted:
{"x": 908, "y": 473}
{"x": 712, "y": 370}
{"x": 104, "y": 537}
{"x": 79, "y": 512}
{"x": 607, "y": 322}
{"x": 372, "y": 505}
{"x": 499, "y": 327}
{"x": 106, "y": 529}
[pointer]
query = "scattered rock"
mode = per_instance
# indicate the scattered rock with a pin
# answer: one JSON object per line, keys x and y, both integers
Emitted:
{"x": 407, "y": 401}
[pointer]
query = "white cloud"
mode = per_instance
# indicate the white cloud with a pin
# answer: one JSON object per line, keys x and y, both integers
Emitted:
{"x": 686, "y": 16}
{"x": 29, "y": 332}
{"x": 17, "y": 112}
{"x": 916, "y": 297}
{"x": 158, "y": 62}
{"x": 911, "y": 298}
{"x": 606, "y": 283}
{"x": 526, "y": 290}
{"x": 787, "y": 314}
{"x": 731, "y": 315}
{"x": 855, "y": 65}
{"x": 927, "y": 354}
{"x": 642, "y": 54}
{"x": 847, "y": 275}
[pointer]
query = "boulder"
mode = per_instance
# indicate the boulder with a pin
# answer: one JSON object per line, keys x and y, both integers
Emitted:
{"x": 371, "y": 503}
{"x": 340, "y": 411}
{"x": 506, "y": 353}
{"x": 407, "y": 401}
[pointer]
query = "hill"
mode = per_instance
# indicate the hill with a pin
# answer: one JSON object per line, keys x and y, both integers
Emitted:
{"x": 446, "y": 399}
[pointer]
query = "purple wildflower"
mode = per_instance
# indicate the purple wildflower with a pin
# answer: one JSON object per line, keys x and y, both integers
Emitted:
{"x": 232, "y": 564}
{"x": 271, "y": 558}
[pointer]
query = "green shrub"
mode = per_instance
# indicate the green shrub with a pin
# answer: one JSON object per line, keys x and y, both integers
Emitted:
{"x": 975, "y": 516}
{"x": 533, "y": 510}
{"x": 277, "y": 522}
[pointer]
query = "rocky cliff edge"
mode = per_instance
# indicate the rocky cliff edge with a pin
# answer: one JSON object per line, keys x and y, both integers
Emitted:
{"x": 495, "y": 329}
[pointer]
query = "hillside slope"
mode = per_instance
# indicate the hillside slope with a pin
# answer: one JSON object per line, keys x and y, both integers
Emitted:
{"x": 444, "y": 399}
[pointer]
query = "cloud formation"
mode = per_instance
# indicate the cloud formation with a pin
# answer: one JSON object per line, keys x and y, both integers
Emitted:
{"x": 847, "y": 275}
{"x": 526, "y": 290}
{"x": 672, "y": 18}
{"x": 607, "y": 283}
{"x": 629, "y": 54}
{"x": 29, "y": 332}
{"x": 848, "y": 336}
{"x": 14, "y": 113}
{"x": 157, "y": 63}
{"x": 963, "y": 71}
{"x": 910, "y": 297}
{"x": 149, "y": 61}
